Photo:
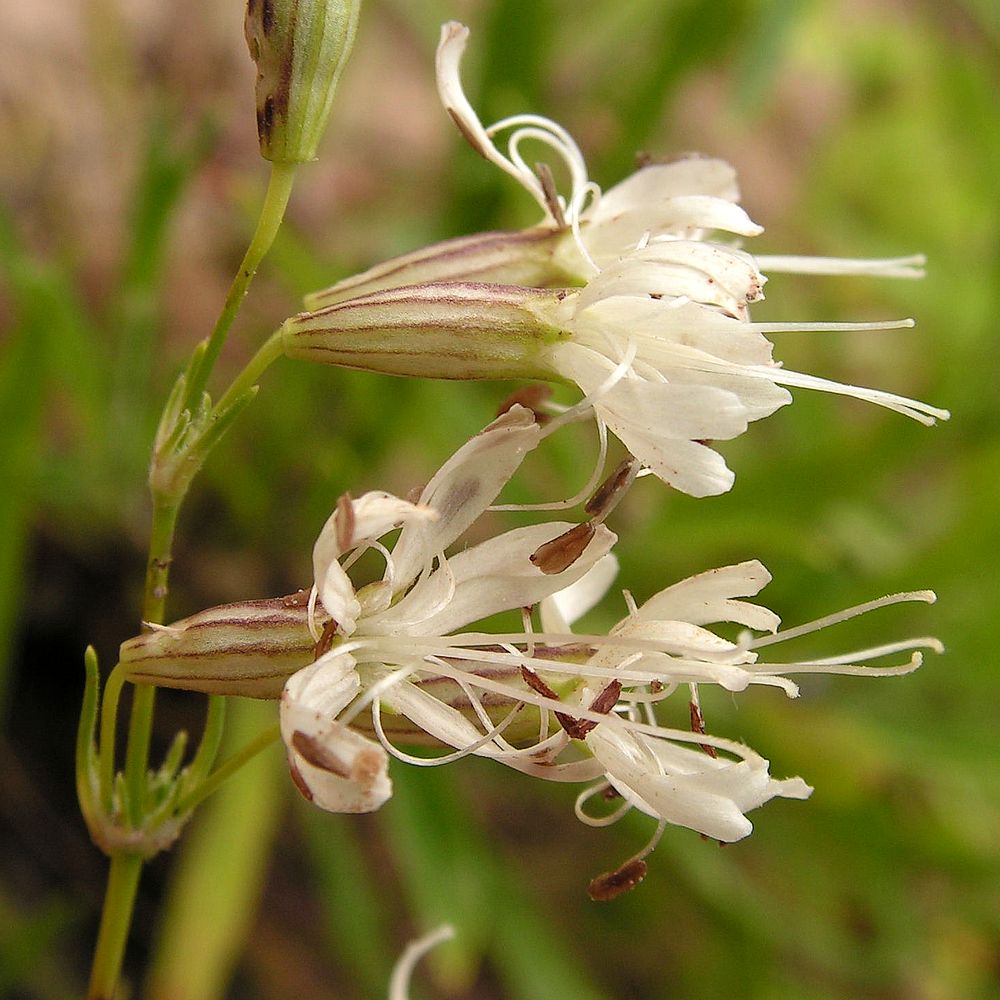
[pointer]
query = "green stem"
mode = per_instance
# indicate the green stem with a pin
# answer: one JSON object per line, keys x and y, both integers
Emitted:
{"x": 269, "y": 352}
{"x": 279, "y": 188}
{"x": 123, "y": 876}
{"x": 123, "y": 879}
{"x": 228, "y": 768}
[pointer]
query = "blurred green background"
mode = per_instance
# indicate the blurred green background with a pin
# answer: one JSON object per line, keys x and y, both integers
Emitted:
{"x": 130, "y": 185}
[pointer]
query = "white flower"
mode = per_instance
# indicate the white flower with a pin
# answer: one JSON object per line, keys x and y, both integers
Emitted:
{"x": 687, "y": 787}
{"x": 663, "y": 644}
{"x": 659, "y": 338}
{"x": 687, "y": 199}
{"x": 404, "y": 620}
{"x": 662, "y": 344}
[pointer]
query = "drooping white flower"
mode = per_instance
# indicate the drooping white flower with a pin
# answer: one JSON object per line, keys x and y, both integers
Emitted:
{"x": 663, "y": 346}
{"x": 691, "y": 779}
{"x": 688, "y": 199}
{"x": 400, "y": 625}
{"x": 659, "y": 337}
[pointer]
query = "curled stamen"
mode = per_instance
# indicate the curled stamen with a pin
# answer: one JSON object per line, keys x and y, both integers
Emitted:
{"x": 447, "y": 758}
{"x": 415, "y": 950}
{"x": 601, "y": 788}
{"x": 586, "y": 490}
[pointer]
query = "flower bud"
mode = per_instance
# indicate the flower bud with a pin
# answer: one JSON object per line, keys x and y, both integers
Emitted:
{"x": 453, "y": 330}
{"x": 300, "y": 47}
{"x": 524, "y": 257}
{"x": 248, "y": 649}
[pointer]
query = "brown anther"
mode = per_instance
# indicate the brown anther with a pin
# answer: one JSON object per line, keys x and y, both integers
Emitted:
{"x": 603, "y": 703}
{"x": 537, "y": 684}
{"x": 559, "y": 554}
{"x": 698, "y": 726}
{"x": 609, "y": 494}
{"x": 610, "y": 793}
{"x": 529, "y": 396}
{"x": 544, "y": 174}
{"x": 608, "y": 698}
{"x": 315, "y": 753}
{"x": 611, "y": 885}
{"x": 299, "y": 599}
{"x": 325, "y": 643}
{"x": 655, "y": 687}
{"x": 345, "y": 522}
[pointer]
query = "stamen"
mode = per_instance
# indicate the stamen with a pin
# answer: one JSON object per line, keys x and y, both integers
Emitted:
{"x": 560, "y": 553}
{"x": 698, "y": 720}
{"x": 526, "y": 625}
{"x": 588, "y": 487}
{"x": 611, "y": 885}
{"x": 544, "y": 174}
{"x": 373, "y": 693}
{"x": 924, "y": 596}
{"x": 612, "y": 491}
{"x": 314, "y": 629}
{"x": 415, "y": 950}
{"x": 447, "y": 758}
{"x": 345, "y": 522}
{"x": 891, "y": 267}
{"x": 835, "y": 327}
{"x": 913, "y": 408}
{"x": 598, "y": 821}
{"x": 924, "y": 642}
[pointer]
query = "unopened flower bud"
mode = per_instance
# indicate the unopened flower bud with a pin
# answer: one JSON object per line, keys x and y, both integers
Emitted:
{"x": 300, "y": 47}
{"x": 525, "y": 257}
{"x": 248, "y": 649}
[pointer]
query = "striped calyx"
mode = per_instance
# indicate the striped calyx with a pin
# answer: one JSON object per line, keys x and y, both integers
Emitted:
{"x": 300, "y": 48}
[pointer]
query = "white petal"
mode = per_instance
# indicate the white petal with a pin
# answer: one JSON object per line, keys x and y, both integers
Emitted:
{"x": 496, "y": 575}
{"x": 336, "y": 592}
{"x": 451, "y": 46}
{"x": 687, "y": 787}
{"x": 654, "y": 323}
{"x": 334, "y": 767}
{"x": 708, "y": 597}
{"x": 701, "y": 272}
{"x": 658, "y": 181}
{"x": 463, "y": 488}
{"x": 327, "y": 686}
{"x": 563, "y": 608}
{"x": 353, "y": 522}
{"x": 609, "y": 236}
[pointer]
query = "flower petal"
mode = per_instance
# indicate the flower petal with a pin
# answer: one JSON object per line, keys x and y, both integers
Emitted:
{"x": 561, "y": 609}
{"x": 334, "y": 767}
{"x": 353, "y": 522}
{"x": 496, "y": 575}
{"x": 708, "y": 598}
{"x": 463, "y": 488}
{"x": 687, "y": 787}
